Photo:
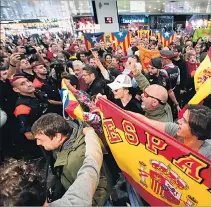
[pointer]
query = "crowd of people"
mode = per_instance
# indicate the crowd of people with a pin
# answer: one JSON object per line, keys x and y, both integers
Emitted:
{"x": 49, "y": 160}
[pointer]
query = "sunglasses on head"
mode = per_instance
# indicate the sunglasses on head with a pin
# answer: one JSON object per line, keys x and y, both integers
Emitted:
{"x": 146, "y": 95}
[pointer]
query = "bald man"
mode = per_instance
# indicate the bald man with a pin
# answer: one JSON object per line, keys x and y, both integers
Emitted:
{"x": 154, "y": 103}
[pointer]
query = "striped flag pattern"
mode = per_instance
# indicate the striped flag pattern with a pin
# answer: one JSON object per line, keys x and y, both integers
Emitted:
{"x": 91, "y": 38}
{"x": 119, "y": 38}
{"x": 166, "y": 38}
{"x": 145, "y": 31}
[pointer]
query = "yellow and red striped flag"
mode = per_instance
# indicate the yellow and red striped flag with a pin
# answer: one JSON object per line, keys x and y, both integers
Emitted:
{"x": 143, "y": 31}
{"x": 166, "y": 38}
{"x": 119, "y": 38}
{"x": 91, "y": 38}
{"x": 71, "y": 106}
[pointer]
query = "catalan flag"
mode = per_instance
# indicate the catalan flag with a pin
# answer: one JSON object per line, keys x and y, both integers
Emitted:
{"x": 155, "y": 32}
{"x": 119, "y": 38}
{"x": 143, "y": 31}
{"x": 91, "y": 38}
{"x": 166, "y": 38}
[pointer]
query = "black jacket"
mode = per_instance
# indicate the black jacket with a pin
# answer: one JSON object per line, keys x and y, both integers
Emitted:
{"x": 97, "y": 86}
{"x": 183, "y": 72}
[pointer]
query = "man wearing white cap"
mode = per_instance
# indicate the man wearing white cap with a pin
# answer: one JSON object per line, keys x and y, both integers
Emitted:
{"x": 122, "y": 90}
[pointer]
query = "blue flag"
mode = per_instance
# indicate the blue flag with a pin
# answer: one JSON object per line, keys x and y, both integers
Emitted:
{"x": 93, "y": 37}
{"x": 120, "y": 35}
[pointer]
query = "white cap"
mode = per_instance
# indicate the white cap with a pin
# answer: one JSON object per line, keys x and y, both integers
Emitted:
{"x": 121, "y": 81}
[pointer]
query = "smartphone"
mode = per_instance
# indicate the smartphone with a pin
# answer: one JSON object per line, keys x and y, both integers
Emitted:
{"x": 94, "y": 49}
{"x": 22, "y": 56}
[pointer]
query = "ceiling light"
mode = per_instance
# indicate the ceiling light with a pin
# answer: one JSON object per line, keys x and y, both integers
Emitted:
{"x": 14, "y": 1}
{"x": 149, "y": 6}
{"x": 154, "y": 8}
{"x": 158, "y": 9}
{"x": 158, "y": 1}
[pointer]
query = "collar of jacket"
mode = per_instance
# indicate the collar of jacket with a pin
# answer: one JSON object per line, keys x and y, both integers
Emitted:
{"x": 159, "y": 112}
{"x": 61, "y": 154}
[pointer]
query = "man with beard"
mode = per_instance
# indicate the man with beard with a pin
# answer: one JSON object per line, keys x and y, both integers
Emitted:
{"x": 155, "y": 76}
{"x": 48, "y": 86}
{"x": 30, "y": 105}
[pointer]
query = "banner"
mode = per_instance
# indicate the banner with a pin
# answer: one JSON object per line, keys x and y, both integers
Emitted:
{"x": 202, "y": 82}
{"x": 161, "y": 169}
{"x": 202, "y": 32}
{"x": 203, "y": 72}
{"x": 146, "y": 55}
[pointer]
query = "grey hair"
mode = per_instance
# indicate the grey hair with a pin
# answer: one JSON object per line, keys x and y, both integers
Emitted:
{"x": 78, "y": 63}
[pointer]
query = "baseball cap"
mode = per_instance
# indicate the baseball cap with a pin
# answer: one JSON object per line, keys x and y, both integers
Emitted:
{"x": 121, "y": 81}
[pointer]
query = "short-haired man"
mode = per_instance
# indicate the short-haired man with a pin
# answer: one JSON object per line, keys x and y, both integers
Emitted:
{"x": 193, "y": 129}
{"x": 26, "y": 69}
{"x": 30, "y": 105}
{"x": 155, "y": 76}
{"x": 78, "y": 70}
{"x": 48, "y": 86}
{"x": 67, "y": 141}
{"x": 96, "y": 84}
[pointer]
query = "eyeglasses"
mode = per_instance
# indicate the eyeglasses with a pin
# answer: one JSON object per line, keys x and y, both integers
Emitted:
{"x": 146, "y": 95}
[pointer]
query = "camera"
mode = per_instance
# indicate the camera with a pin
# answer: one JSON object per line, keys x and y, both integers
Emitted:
{"x": 30, "y": 50}
{"x": 58, "y": 66}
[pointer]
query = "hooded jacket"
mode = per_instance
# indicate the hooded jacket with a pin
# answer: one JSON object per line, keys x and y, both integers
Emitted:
{"x": 71, "y": 156}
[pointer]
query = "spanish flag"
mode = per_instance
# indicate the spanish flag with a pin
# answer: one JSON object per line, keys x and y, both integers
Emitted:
{"x": 146, "y": 55}
{"x": 202, "y": 82}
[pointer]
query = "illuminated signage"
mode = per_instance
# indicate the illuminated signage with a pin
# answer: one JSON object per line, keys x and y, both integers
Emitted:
{"x": 108, "y": 20}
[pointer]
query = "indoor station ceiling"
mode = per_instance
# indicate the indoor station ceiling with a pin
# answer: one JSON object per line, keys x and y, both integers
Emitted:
{"x": 63, "y": 9}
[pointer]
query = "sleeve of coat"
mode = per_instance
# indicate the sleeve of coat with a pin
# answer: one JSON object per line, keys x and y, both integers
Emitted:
{"x": 142, "y": 81}
{"x": 81, "y": 192}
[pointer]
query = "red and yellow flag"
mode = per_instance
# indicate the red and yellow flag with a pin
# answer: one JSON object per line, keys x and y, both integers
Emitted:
{"x": 146, "y": 55}
{"x": 143, "y": 31}
{"x": 71, "y": 107}
{"x": 163, "y": 171}
{"x": 119, "y": 38}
